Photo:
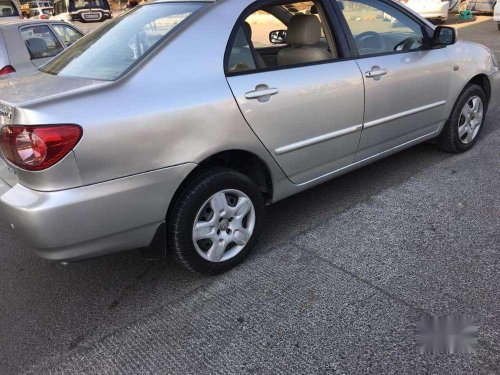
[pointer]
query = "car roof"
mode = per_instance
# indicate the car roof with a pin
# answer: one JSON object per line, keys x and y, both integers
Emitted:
{"x": 18, "y": 23}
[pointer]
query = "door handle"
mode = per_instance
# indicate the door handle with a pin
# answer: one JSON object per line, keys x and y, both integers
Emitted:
{"x": 262, "y": 93}
{"x": 376, "y": 72}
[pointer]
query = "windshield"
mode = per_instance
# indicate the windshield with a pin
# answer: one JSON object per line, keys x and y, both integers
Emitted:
{"x": 8, "y": 9}
{"x": 75, "y": 5}
{"x": 109, "y": 51}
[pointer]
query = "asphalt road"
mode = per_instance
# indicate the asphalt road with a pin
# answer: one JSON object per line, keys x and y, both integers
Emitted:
{"x": 340, "y": 277}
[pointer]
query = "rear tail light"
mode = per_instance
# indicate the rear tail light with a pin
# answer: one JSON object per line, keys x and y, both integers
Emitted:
{"x": 44, "y": 17}
{"x": 38, "y": 147}
{"x": 7, "y": 69}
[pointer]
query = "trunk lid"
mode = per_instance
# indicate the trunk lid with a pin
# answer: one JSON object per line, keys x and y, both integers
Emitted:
{"x": 39, "y": 87}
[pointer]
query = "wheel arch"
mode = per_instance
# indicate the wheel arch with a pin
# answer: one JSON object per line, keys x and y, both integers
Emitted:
{"x": 243, "y": 161}
{"x": 482, "y": 81}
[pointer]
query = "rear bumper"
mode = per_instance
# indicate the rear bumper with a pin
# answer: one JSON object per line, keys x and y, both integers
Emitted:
{"x": 94, "y": 220}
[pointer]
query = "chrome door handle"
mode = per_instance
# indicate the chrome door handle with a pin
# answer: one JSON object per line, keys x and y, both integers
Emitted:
{"x": 376, "y": 72}
{"x": 262, "y": 93}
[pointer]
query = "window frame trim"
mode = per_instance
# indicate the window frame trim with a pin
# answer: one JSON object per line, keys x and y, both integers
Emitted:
{"x": 427, "y": 31}
{"x": 340, "y": 39}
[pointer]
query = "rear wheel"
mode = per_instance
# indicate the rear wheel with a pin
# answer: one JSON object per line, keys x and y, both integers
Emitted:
{"x": 215, "y": 221}
{"x": 461, "y": 131}
{"x": 498, "y": 25}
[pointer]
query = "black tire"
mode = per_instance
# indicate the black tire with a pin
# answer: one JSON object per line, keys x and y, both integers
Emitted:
{"x": 498, "y": 25}
{"x": 449, "y": 140}
{"x": 186, "y": 207}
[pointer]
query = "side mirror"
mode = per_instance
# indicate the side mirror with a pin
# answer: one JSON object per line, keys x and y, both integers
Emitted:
{"x": 277, "y": 37}
{"x": 444, "y": 36}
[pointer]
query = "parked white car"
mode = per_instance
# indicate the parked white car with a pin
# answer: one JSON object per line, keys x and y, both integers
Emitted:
{"x": 40, "y": 13}
{"x": 496, "y": 15}
{"x": 436, "y": 10}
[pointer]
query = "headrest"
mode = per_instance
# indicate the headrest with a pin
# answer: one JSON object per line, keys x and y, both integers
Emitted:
{"x": 37, "y": 46}
{"x": 304, "y": 30}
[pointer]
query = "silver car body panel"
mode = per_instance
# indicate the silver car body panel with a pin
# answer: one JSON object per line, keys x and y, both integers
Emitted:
{"x": 313, "y": 124}
{"x": 4, "y": 56}
{"x": 92, "y": 220}
{"x": 405, "y": 103}
{"x": 144, "y": 133}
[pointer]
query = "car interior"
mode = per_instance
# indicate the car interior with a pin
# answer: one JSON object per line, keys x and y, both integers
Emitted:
{"x": 300, "y": 37}
{"x": 380, "y": 28}
{"x": 40, "y": 42}
{"x": 297, "y": 33}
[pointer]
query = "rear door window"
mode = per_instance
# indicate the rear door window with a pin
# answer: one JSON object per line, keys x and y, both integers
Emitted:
{"x": 40, "y": 41}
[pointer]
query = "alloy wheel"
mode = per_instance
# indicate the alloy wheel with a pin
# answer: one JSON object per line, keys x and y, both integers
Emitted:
{"x": 470, "y": 120}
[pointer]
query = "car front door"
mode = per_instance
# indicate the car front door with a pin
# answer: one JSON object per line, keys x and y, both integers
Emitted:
{"x": 406, "y": 84}
{"x": 307, "y": 108}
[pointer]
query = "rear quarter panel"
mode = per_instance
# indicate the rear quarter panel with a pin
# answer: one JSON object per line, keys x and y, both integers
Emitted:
{"x": 4, "y": 57}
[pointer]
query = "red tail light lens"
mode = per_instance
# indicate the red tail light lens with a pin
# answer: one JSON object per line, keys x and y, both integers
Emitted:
{"x": 7, "y": 69}
{"x": 44, "y": 17}
{"x": 35, "y": 148}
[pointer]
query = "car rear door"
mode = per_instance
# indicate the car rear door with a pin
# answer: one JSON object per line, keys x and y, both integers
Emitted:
{"x": 308, "y": 115}
{"x": 406, "y": 85}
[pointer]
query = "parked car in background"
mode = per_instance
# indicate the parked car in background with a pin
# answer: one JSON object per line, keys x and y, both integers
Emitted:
{"x": 40, "y": 4}
{"x": 480, "y": 6}
{"x": 166, "y": 134}
{"x": 81, "y": 10}
{"x": 26, "y": 45}
{"x": 9, "y": 9}
{"x": 26, "y": 7}
{"x": 435, "y": 10}
{"x": 40, "y": 13}
{"x": 496, "y": 14}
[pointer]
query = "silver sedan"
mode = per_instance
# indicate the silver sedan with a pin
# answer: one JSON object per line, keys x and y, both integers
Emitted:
{"x": 174, "y": 125}
{"x": 26, "y": 45}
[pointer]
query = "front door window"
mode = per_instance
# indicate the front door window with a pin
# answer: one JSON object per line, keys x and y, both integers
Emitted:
{"x": 379, "y": 28}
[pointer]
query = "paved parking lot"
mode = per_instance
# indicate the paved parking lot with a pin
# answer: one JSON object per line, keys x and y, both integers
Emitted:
{"x": 340, "y": 277}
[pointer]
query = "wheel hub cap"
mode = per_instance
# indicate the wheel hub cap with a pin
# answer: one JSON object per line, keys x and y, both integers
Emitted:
{"x": 470, "y": 120}
{"x": 224, "y": 225}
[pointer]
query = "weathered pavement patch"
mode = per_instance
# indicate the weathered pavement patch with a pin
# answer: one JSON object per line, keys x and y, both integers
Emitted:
{"x": 343, "y": 295}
